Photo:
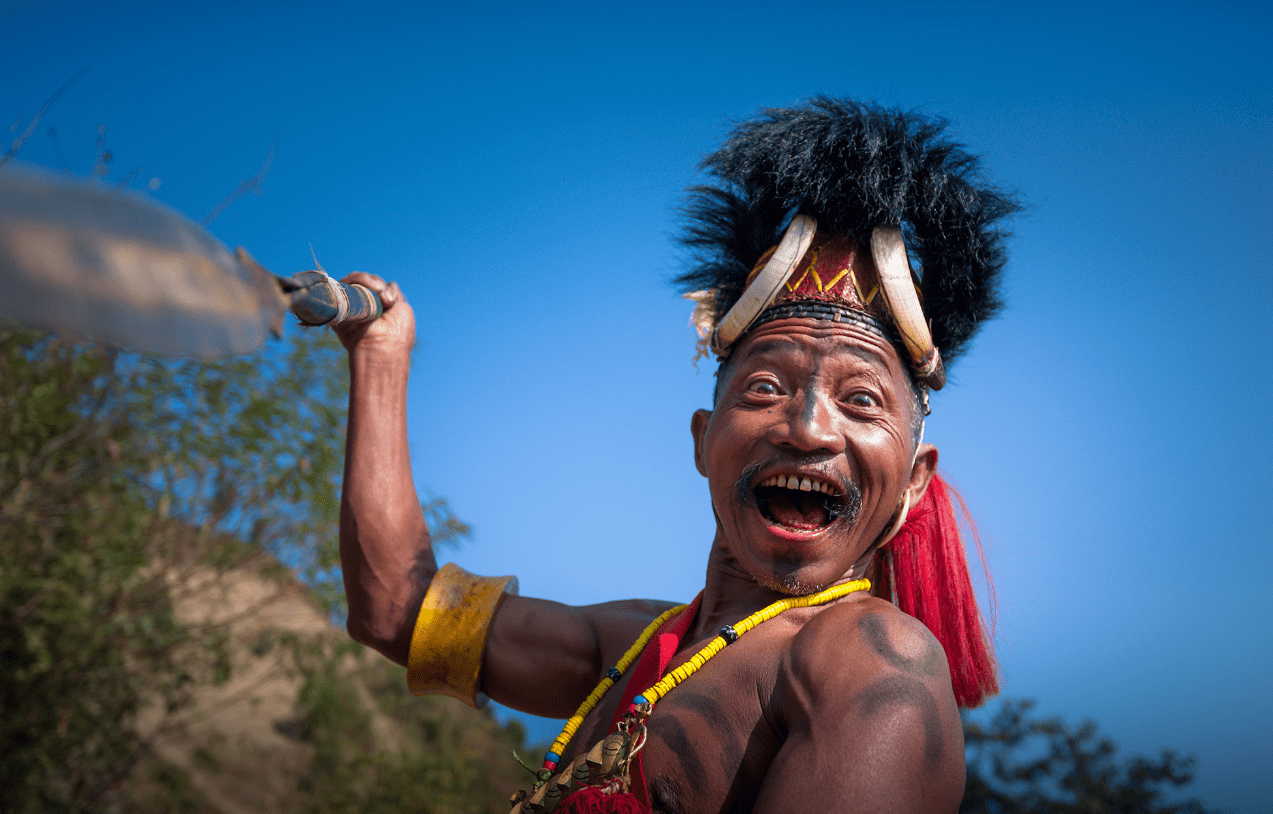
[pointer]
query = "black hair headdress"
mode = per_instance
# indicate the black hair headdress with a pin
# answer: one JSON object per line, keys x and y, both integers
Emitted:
{"x": 854, "y": 166}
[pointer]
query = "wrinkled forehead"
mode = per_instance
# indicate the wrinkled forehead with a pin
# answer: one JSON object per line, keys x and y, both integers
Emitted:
{"x": 817, "y": 339}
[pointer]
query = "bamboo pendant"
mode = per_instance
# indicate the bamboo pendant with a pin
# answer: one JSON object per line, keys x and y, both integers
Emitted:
{"x": 598, "y": 774}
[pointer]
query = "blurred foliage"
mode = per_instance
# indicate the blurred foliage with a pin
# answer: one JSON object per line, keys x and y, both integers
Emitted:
{"x": 85, "y": 613}
{"x": 127, "y": 482}
{"x": 1018, "y": 764}
{"x": 437, "y": 756}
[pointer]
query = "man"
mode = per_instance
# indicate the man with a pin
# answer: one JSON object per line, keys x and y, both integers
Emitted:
{"x": 815, "y": 692}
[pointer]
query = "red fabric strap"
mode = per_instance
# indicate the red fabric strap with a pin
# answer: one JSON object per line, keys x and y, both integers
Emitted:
{"x": 658, "y": 654}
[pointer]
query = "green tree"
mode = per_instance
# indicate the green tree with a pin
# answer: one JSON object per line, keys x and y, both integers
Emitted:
{"x": 1018, "y": 764}
{"x": 441, "y": 756}
{"x": 122, "y": 480}
{"x": 82, "y": 612}
{"x": 127, "y": 482}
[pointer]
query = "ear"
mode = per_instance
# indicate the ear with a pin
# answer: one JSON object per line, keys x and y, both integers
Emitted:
{"x": 698, "y": 426}
{"x": 922, "y": 472}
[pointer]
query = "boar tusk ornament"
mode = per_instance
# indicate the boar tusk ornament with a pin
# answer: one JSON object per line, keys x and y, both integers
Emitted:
{"x": 760, "y": 294}
{"x": 897, "y": 285}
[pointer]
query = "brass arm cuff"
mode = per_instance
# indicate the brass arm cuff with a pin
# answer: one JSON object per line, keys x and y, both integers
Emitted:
{"x": 450, "y": 633}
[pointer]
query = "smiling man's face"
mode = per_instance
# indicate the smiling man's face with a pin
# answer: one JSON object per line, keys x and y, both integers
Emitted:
{"x": 808, "y": 451}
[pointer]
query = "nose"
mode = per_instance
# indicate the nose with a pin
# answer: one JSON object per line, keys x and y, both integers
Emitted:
{"x": 811, "y": 424}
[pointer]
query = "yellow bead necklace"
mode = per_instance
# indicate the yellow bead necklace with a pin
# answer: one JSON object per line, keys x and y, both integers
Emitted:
{"x": 728, "y": 635}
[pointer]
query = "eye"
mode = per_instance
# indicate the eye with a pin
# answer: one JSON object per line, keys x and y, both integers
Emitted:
{"x": 763, "y": 387}
{"x": 863, "y": 400}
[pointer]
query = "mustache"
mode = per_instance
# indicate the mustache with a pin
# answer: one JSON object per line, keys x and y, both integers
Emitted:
{"x": 850, "y": 492}
{"x": 742, "y": 488}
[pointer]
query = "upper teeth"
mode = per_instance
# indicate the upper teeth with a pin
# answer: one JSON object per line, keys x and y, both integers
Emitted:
{"x": 804, "y": 484}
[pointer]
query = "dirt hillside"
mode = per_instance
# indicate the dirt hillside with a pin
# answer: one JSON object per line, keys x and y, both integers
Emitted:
{"x": 235, "y": 741}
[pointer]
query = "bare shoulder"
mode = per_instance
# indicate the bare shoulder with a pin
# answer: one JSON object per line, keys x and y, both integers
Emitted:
{"x": 859, "y": 642}
{"x": 865, "y": 687}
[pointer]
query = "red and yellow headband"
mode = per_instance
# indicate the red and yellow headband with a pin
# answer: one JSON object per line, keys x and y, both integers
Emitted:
{"x": 828, "y": 276}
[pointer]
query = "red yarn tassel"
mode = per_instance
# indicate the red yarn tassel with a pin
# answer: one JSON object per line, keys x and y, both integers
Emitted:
{"x": 930, "y": 581}
{"x": 592, "y": 800}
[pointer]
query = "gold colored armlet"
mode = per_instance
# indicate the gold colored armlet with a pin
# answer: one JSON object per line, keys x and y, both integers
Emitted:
{"x": 450, "y": 633}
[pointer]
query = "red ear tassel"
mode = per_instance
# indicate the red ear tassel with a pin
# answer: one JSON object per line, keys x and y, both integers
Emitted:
{"x": 930, "y": 582}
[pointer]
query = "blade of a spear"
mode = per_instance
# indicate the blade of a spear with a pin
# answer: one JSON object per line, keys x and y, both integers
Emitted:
{"x": 115, "y": 266}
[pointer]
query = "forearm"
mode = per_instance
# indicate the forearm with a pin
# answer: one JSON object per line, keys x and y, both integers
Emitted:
{"x": 384, "y": 542}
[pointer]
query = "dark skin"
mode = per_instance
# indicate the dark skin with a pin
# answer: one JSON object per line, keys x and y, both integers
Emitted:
{"x": 845, "y": 707}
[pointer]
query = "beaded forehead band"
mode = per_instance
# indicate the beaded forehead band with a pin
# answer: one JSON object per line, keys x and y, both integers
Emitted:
{"x": 826, "y": 276}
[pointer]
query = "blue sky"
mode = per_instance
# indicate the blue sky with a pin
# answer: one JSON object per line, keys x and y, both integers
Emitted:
{"x": 517, "y": 167}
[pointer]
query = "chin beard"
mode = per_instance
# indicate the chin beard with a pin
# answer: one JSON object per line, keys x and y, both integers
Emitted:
{"x": 782, "y": 579}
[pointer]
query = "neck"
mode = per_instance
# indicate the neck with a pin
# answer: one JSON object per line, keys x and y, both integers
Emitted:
{"x": 731, "y": 593}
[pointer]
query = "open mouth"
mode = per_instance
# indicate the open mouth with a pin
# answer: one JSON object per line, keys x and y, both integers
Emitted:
{"x": 799, "y": 502}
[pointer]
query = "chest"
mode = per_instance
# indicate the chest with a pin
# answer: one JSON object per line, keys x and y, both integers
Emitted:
{"x": 711, "y": 739}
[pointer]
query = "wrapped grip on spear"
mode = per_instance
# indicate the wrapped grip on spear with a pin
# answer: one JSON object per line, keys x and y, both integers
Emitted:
{"x": 317, "y": 298}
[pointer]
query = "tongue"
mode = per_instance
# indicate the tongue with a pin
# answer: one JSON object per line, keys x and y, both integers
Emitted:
{"x": 800, "y": 510}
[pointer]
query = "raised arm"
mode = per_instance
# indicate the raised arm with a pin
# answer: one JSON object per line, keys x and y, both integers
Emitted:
{"x": 542, "y": 657}
{"x": 384, "y": 543}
